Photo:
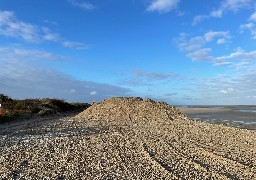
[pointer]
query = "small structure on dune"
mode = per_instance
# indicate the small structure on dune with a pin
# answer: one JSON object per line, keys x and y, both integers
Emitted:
{"x": 94, "y": 102}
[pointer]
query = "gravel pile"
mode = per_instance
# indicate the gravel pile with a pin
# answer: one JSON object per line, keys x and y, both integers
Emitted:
{"x": 127, "y": 138}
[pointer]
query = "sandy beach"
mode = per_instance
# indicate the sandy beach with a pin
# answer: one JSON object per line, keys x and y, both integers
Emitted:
{"x": 126, "y": 138}
{"x": 196, "y": 110}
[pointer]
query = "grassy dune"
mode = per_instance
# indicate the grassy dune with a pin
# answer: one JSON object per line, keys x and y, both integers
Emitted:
{"x": 24, "y": 109}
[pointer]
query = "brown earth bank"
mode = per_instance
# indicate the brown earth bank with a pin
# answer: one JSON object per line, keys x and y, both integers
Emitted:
{"x": 127, "y": 138}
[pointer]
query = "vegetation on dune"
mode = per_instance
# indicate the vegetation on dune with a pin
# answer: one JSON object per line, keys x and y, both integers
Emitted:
{"x": 23, "y": 109}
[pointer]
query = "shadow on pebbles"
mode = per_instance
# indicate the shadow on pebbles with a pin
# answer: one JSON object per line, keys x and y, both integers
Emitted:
{"x": 127, "y": 138}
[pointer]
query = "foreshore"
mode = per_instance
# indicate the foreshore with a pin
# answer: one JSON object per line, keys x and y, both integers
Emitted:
{"x": 243, "y": 117}
{"x": 196, "y": 110}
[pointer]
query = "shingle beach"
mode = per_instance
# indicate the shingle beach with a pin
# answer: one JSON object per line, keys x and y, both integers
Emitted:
{"x": 126, "y": 138}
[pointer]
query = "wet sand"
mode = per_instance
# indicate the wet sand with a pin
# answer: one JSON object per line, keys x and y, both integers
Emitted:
{"x": 236, "y": 116}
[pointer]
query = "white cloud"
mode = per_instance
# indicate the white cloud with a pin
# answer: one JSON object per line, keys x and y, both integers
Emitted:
{"x": 198, "y": 42}
{"x": 92, "y": 93}
{"x": 209, "y": 36}
{"x": 230, "y": 89}
{"x": 200, "y": 55}
{"x": 227, "y": 91}
{"x": 192, "y": 44}
{"x": 153, "y": 75}
{"x": 222, "y": 63}
{"x": 224, "y": 7}
{"x": 197, "y": 50}
{"x": 221, "y": 41}
{"x": 239, "y": 59}
{"x": 51, "y": 23}
{"x": 251, "y": 27}
{"x": 199, "y": 18}
{"x": 142, "y": 78}
{"x": 13, "y": 53}
{"x": 236, "y": 5}
{"x": 170, "y": 94}
{"x": 251, "y": 96}
{"x": 163, "y": 6}
{"x": 217, "y": 13}
{"x": 196, "y": 45}
{"x": 81, "y": 4}
{"x": 239, "y": 54}
{"x": 51, "y": 37}
{"x": 11, "y": 26}
{"x": 75, "y": 45}
{"x": 253, "y": 17}
{"x": 231, "y": 5}
{"x": 224, "y": 91}
{"x": 48, "y": 35}
{"x": 72, "y": 90}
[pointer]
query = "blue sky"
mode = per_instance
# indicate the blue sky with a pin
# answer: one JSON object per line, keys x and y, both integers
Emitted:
{"x": 181, "y": 52}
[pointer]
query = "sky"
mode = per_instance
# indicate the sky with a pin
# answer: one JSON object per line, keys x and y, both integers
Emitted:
{"x": 178, "y": 51}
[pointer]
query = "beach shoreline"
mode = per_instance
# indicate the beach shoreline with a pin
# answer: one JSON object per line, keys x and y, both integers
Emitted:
{"x": 243, "y": 117}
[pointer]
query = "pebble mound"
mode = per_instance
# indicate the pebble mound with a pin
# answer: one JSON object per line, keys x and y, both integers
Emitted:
{"x": 128, "y": 138}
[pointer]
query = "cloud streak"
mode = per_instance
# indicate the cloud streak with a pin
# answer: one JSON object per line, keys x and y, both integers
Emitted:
{"x": 227, "y": 91}
{"x": 11, "y": 26}
{"x": 200, "y": 55}
{"x": 231, "y": 5}
{"x": 153, "y": 75}
{"x": 83, "y": 5}
{"x": 195, "y": 46}
{"x": 162, "y": 6}
{"x": 197, "y": 50}
{"x": 251, "y": 27}
{"x": 224, "y": 7}
{"x": 140, "y": 78}
{"x": 253, "y": 17}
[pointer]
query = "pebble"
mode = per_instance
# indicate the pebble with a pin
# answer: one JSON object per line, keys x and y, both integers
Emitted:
{"x": 127, "y": 138}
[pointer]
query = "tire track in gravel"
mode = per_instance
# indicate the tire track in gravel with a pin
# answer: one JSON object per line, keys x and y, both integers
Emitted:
{"x": 209, "y": 159}
{"x": 212, "y": 162}
{"x": 164, "y": 165}
{"x": 179, "y": 163}
{"x": 216, "y": 152}
{"x": 201, "y": 157}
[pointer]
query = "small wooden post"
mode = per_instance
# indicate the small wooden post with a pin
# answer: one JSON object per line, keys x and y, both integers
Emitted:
{"x": 1, "y": 111}
{"x": 94, "y": 102}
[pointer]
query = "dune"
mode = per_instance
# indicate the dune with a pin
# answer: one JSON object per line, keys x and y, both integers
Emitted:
{"x": 128, "y": 138}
